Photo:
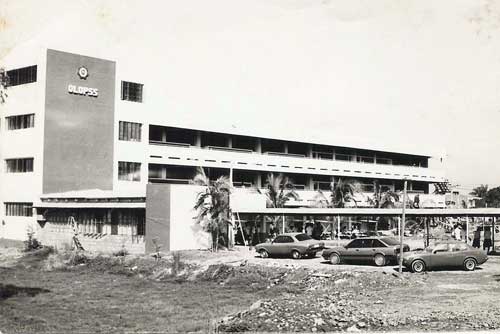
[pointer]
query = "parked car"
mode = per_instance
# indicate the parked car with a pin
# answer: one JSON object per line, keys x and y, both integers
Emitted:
{"x": 380, "y": 250}
{"x": 445, "y": 254}
{"x": 295, "y": 245}
{"x": 374, "y": 234}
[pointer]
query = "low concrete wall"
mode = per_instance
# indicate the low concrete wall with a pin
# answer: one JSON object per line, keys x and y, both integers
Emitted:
{"x": 106, "y": 243}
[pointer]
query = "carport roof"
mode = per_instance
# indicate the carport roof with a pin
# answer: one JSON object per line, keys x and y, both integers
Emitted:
{"x": 479, "y": 212}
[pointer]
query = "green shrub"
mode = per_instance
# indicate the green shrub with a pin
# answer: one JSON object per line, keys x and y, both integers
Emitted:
{"x": 121, "y": 252}
{"x": 31, "y": 242}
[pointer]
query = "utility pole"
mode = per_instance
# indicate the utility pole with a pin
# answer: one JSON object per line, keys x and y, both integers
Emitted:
{"x": 402, "y": 232}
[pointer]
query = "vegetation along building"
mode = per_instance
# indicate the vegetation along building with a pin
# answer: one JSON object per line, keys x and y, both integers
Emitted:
{"x": 80, "y": 138}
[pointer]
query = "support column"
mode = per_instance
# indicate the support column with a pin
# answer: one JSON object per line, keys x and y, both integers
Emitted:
{"x": 164, "y": 135}
{"x": 427, "y": 238}
{"x": 197, "y": 140}
{"x": 467, "y": 229}
{"x": 309, "y": 150}
{"x": 229, "y": 142}
{"x": 258, "y": 145}
{"x": 310, "y": 182}
{"x": 164, "y": 172}
{"x": 258, "y": 180}
{"x": 493, "y": 235}
{"x": 285, "y": 147}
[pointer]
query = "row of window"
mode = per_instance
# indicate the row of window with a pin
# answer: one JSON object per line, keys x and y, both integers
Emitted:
{"x": 127, "y": 130}
{"x": 19, "y": 209}
{"x": 131, "y": 91}
{"x": 127, "y": 171}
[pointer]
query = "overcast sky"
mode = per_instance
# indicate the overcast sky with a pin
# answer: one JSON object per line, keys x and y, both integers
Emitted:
{"x": 417, "y": 73}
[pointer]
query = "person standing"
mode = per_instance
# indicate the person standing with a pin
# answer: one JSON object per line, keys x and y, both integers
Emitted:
{"x": 458, "y": 232}
{"x": 476, "y": 241}
{"x": 273, "y": 231}
{"x": 309, "y": 229}
{"x": 317, "y": 231}
{"x": 355, "y": 232}
{"x": 487, "y": 239}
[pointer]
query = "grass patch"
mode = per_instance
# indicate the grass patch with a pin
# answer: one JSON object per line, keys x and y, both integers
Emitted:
{"x": 104, "y": 302}
{"x": 128, "y": 293}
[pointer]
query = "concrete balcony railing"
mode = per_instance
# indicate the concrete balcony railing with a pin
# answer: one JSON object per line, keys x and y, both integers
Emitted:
{"x": 195, "y": 156}
{"x": 314, "y": 154}
{"x": 309, "y": 198}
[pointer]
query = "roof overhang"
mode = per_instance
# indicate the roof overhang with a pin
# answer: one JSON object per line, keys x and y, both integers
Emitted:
{"x": 480, "y": 212}
{"x": 90, "y": 205}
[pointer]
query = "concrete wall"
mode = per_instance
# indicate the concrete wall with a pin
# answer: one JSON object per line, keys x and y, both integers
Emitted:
{"x": 170, "y": 218}
{"x": 22, "y": 143}
{"x": 78, "y": 141}
{"x": 61, "y": 238}
{"x": 157, "y": 217}
{"x": 185, "y": 233}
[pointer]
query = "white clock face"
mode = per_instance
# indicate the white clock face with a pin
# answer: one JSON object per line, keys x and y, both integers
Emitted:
{"x": 83, "y": 73}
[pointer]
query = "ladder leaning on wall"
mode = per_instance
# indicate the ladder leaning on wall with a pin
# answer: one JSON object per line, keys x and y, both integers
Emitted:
{"x": 74, "y": 225}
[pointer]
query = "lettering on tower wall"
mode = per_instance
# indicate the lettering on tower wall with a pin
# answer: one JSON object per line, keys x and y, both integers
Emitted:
{"x": 83, "y": 73}
{"x": 81, "y": 90}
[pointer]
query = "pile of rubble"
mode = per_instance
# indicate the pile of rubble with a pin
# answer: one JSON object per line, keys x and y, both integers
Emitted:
{"x": 345, "y": 301}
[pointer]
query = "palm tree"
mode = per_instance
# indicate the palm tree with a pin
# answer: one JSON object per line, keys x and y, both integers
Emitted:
{"x": 480, "y": 191}
{"x": 343, "y": 192}
{"x": 279, "y": 190}
{"x": 383, "y": 199}
{"x": 212, "y": 205}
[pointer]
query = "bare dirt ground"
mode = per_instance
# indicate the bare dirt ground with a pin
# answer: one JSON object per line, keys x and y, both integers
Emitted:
{"x": 237, "y": 291}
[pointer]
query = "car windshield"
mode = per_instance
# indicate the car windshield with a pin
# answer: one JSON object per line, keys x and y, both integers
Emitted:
{"x": 390, "y": 241}
{"x": 302, "y": 237}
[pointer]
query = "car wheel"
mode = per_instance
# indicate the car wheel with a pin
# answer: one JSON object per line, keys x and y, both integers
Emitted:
{"x": 418, "y": 266}
{"x": 334, "y": 258}
{"x": 296, "y": 254}
{"x": 470, "y": 264}
{"x": 379, "y": 260}
{"x": 263, "y": 253}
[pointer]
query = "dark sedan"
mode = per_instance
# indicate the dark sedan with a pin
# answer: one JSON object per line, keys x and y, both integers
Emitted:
{"x": 380, "y": 250}
{"x": 445, "y": 254}
{"x": 295, "y": 245}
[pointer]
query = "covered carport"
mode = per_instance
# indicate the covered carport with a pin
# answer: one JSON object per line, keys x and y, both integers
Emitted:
{"x": 399, "y": 213}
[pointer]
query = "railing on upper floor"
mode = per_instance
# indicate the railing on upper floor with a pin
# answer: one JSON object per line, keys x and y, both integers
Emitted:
{"x": 285, "y": 154}
{"x": 230, "y": 149}
{"x": 315, "y": 154}
{"x": 168, "y": 143}
{"x": 168, "y": 180}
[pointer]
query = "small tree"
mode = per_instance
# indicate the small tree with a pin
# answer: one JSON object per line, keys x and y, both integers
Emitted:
{"x": 212, "y": 205}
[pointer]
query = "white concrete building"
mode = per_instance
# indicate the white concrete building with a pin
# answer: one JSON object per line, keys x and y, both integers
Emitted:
{"x": 84, "y": 136}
